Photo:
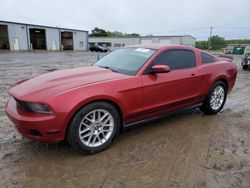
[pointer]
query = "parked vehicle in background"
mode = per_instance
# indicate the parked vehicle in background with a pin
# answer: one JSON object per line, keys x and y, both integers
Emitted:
{"x": 97, "y": 48}
{"x": 246, "y": 61}
{"x": 88, "y": 106}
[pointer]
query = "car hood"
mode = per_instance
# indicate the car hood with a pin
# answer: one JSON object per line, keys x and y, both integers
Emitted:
{"x": 41, "y": 87}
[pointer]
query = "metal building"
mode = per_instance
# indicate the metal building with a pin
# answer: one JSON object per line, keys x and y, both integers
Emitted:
{"x": 117, "y": 42}
{"x": 21, "y": 36}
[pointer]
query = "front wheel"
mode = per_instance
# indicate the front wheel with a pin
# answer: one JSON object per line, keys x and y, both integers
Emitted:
{"x": 215, "y": 99}
{"x": 93, "y": 128}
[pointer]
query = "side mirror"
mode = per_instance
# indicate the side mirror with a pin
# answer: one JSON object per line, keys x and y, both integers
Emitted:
{"x": 160, "y": 69}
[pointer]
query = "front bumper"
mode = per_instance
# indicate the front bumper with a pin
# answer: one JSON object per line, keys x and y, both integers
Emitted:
{"x": 35, "y": 126}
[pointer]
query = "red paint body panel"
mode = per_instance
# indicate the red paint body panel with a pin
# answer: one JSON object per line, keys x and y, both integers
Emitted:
{"x": 137, "y": 97}
{"x": 26, "y": 121}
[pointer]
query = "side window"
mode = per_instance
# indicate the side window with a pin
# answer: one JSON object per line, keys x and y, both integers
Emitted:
{"x": 176, "y": 59}
{"x": 206, "y": 58}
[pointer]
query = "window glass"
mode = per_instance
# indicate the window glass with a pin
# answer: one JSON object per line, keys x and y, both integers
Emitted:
{"x": 108, "y": 44}
{"x": 100, "y": 43}
{"x": 117, "y": 45}
{"x": 91, "y": 43}
{"x": 176, "y": 59}
{"x": 206, "y": 58}
{"x": 126, "y": 60}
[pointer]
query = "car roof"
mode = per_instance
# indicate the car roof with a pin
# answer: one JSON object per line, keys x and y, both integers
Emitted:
{"x": 160, "y": 46}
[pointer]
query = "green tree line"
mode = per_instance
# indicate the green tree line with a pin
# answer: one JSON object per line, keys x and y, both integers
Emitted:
{"x": 217, "y": 42}
{"x": 97, "y": 32}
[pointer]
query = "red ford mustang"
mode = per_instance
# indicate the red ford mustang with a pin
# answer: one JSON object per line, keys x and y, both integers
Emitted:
{"x": 88, "y": 105}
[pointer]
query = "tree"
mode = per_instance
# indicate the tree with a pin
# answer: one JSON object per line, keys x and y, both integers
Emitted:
{"x": 118, "y": 34}
{"x": 96, "y": 32}
{"x": 132, "y": 35}
{"x": 217, "y": 42}
{"x": 238, "y": 41}
{"x": 201, "y": 45}
{"x": 110, "y": 34}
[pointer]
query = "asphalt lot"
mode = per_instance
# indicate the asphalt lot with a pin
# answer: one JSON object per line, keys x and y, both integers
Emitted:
{"x": 186, "y": 149}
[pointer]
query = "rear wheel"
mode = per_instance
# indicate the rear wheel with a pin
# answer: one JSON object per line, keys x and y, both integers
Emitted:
{"x": 93, "y": 128}
{"x": 215, "y": 99}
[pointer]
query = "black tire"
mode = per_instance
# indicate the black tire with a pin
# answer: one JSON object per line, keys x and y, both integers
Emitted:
{"x": 206, "y": 106}
{"x": 73, "y": 137}
{"x": 245, "y": 67}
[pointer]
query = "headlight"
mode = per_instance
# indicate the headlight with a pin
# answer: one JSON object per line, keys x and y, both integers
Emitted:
{"x": 39, "y": 108}
{"x": 34, "y": 107}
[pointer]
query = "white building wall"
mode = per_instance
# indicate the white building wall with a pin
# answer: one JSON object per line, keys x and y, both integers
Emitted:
{"x": 146, "y": 41}
{"x": 176, "y": 40}
{"x": 165, "y": 41}
{"x": 52, "y": 39}
{"x": 80, "y": 41}
{"x": 35, "y": 27}
{"x": 85, "y": 40}
{"x": 114, "y": 41}
{"x": 188, "y": 41}
{"x": 182, "y": 40}
{"x": 17, "y": 32}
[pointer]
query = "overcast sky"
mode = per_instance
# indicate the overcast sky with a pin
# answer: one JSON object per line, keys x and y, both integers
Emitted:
{"x": 229, "y": 18}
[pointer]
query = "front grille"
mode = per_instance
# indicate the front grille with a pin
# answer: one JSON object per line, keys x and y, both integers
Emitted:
{"x": 24, "y": 105}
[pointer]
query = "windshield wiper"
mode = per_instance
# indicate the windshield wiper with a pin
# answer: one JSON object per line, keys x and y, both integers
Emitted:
{"x": 106, "y": 67}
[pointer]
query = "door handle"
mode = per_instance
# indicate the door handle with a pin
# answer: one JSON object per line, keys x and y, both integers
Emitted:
{"x": 193, "y": 74}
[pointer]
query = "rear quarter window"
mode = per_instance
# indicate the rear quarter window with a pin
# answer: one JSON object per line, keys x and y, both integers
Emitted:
{"x": 205, "y": 58}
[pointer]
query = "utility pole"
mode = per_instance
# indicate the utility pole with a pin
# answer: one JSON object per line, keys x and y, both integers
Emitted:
{"x": 209, "y": 39}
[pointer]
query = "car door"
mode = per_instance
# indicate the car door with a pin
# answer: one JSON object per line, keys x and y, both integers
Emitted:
{"x": 164, "y": 91}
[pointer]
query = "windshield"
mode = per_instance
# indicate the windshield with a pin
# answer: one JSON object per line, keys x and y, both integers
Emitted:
{"x": 126, "y": 60}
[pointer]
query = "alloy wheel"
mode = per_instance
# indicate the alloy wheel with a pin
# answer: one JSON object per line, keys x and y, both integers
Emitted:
{"x": 96, "y": 128}
{"x": 217, "y": 97}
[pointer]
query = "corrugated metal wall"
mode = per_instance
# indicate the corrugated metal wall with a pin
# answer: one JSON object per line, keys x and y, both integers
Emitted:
{"x": 80, "y": 40}
{"x": 183, "y": 40}
{"x": 20, "y": 33}
{"x": 17, "y": 32}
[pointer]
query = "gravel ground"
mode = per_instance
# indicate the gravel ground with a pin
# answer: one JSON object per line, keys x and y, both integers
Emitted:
{"x": 185, "y": 149}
